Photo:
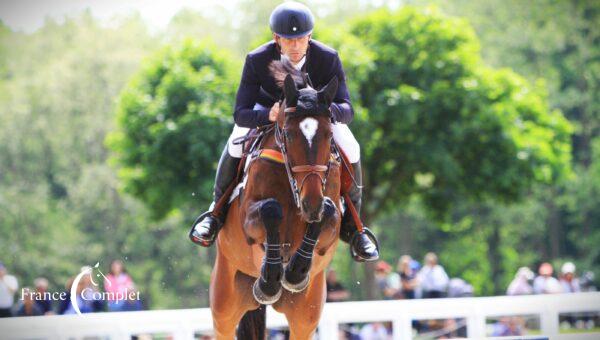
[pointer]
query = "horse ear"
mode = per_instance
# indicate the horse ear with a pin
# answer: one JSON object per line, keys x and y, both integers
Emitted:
{"x": 327, "y": 93}
{"x": 290, "y": 91}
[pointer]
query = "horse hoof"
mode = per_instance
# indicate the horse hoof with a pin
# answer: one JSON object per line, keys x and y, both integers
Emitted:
{"x": 261, "y": 297}
{"x": 295, "y": 288}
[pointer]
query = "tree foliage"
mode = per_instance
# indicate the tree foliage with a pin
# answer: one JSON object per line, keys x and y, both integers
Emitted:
{"x": 554, "y": 40}
{"x": 439, "y": 123}
{"x": 173, "y": 118}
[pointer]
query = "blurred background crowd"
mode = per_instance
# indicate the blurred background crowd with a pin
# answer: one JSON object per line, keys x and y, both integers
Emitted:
{"x": 409, "y": 279}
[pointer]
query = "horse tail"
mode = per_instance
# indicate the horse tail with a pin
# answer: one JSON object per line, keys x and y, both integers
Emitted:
{"x": 253, "y": 324}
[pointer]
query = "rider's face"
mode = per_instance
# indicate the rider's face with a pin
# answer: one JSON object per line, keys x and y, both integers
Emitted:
{"x": 295, "y": 48}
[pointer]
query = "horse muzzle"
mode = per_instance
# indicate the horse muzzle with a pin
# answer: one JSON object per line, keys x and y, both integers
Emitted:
{"x": 312, "y": 210}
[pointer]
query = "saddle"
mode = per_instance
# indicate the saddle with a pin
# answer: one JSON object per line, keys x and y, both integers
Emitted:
{"x": 253, "y": 150}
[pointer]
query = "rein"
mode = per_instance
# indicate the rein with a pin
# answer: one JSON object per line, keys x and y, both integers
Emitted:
{"x": 310, "y": 169}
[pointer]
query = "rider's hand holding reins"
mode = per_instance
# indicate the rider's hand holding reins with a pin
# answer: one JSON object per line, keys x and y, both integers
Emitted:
{"x": 274, "y": 112}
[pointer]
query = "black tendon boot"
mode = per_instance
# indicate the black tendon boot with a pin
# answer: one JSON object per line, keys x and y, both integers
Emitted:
{"x": 205, "y": 228}
{"x": 363, "y": 245}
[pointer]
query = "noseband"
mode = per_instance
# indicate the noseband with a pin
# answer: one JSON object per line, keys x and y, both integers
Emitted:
{"x": 309, "y": 169}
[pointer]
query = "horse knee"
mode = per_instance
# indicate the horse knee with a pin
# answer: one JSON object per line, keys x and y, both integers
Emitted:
{"x": 271, "y": 213}
{"x": 329, "y": 208}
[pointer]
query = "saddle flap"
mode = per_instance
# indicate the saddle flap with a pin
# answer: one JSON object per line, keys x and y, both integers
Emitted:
{"x": 347, "y": 173}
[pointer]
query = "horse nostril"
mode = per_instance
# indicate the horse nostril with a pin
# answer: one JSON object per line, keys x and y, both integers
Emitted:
{"x": 313, "y": 212}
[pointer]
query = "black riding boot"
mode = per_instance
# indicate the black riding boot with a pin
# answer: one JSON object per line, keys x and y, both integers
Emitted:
{"x": 205, "y": 228}
{"x": 363, "y": 246}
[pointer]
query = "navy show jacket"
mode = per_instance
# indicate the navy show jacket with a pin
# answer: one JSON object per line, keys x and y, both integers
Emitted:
{"x": 258, "y": 86}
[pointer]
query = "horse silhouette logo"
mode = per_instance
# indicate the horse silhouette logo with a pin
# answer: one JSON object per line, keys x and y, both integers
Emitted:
{"x": 87, "y": 270}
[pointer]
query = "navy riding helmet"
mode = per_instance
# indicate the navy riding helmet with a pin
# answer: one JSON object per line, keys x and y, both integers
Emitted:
{"x": 292, "y": 20}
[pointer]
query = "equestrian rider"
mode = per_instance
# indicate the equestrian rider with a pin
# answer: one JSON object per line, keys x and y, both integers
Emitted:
{"x": 257, "y": 105}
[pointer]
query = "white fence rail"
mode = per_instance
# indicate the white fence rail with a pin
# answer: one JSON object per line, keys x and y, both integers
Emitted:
{"x": 183, "y": 324}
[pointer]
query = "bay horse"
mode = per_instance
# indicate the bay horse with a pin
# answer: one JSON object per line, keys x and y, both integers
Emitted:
{"x": 281, "y": 233}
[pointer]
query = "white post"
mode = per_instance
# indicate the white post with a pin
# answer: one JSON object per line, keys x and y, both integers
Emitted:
{"x": 402, "y": 327}
{"x": 549, "y": 322}
{"x": 184, "y": 333}
{"x": 476, "y": 326}
{"x": 328, "y": 329}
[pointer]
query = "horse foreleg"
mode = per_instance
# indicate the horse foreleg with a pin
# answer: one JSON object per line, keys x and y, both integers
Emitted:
{"x": 303, "y": 310}
{"x": 228, "y": 300}
{"x": 296, "y": 273}
{"x": 267, "y": 288}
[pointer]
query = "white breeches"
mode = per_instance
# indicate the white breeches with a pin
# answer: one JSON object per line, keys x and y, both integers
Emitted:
{"x": 341, "y": 134}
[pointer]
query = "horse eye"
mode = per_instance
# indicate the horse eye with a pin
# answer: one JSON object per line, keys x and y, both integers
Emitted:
{"x": 289, "y": 134}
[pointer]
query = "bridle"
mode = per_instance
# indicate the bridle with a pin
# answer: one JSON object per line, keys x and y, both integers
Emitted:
{"x": 309, "y": 169}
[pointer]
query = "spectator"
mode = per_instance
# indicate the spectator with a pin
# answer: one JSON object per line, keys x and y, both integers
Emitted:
{"x": 508, "y": 326}
{"x": 586, "y": 282}
{"x": 545, "y": 283}
{"x": 43, "y": 301}
{"x": 28, "y": 307}
{"x": 408, "y": 277}
{"x": 8, "y": 287}
{"x": 388, "y": 282}
{"x": 374, "y": 331}
{"x": 64, "y": 304}
{"x": 570, "y": 284}
{"x": 433, "y": 278}
{"x": 335, "y": 291}
{"x": 459, "y": 288}
{"x": 520, "y": 284}
{"x": 121, "y": 285}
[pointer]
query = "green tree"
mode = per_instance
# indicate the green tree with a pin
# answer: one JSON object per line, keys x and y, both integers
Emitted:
{"x": 434, "y": 121}
{"x": 441, "y": 124}
{"x": 582, "y": 203}
{"x": 173, "y": 118}
{"x": 58, "y": 87}
{"x": 554, "y": 40}
{"x": 557, "y": 41}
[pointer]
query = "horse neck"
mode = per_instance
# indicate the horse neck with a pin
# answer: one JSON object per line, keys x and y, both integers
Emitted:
{"x": 269, "y": 141}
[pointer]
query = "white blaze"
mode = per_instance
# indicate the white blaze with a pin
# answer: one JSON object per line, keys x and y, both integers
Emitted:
{"x": 309, "y": 129}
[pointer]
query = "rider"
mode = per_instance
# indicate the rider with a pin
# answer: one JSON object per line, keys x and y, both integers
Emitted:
{"x": 256, "y": 105}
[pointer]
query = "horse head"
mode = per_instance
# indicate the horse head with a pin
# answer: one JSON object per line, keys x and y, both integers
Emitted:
{"x": 305, "y": 122}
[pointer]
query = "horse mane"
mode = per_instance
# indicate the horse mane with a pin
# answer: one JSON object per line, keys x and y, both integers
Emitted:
{"x": 281, "y": 68}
